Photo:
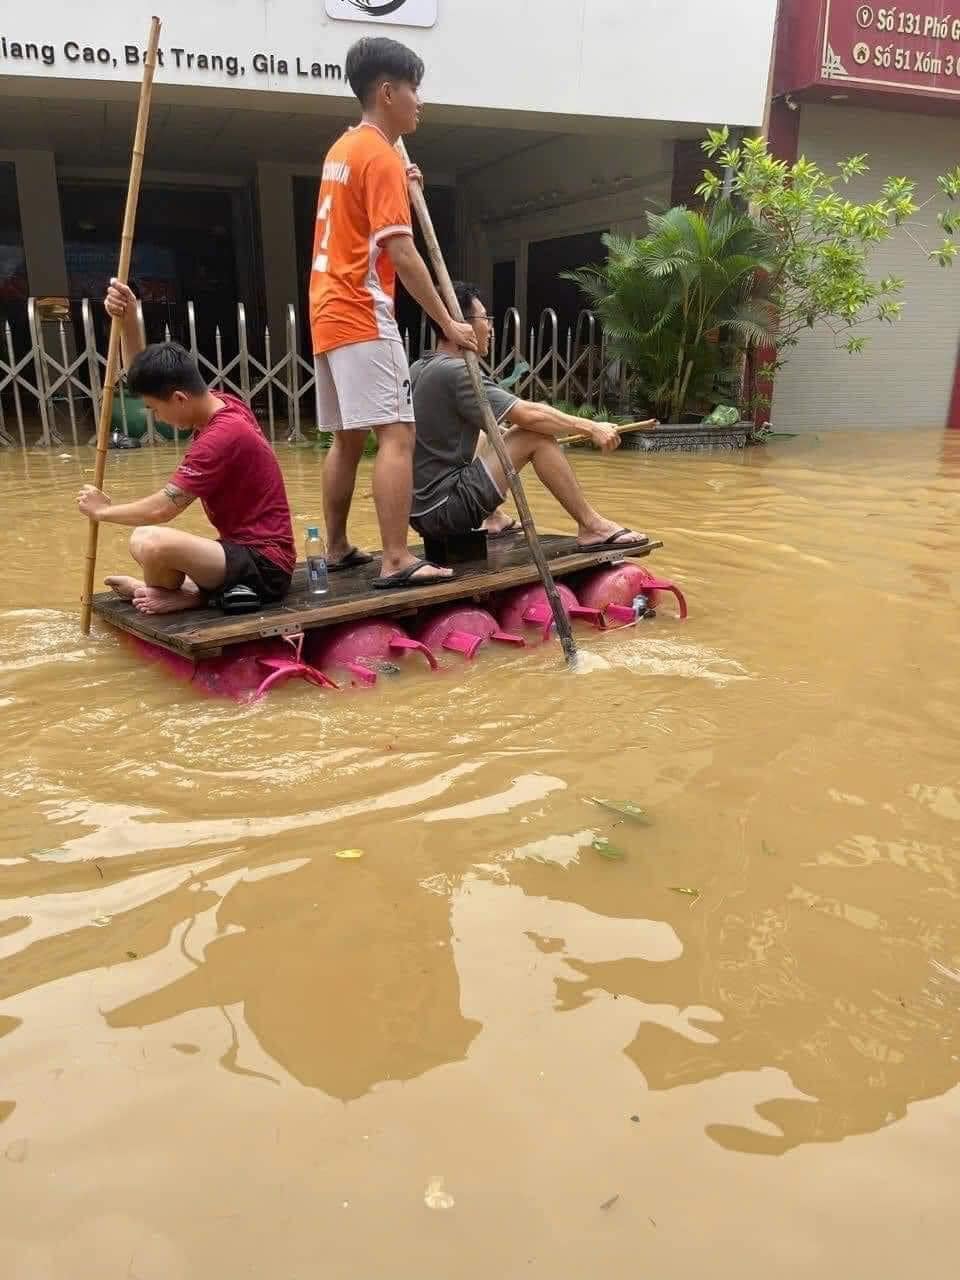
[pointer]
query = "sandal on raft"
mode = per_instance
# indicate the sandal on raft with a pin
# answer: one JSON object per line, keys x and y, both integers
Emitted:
{"x": 507, "y": 531}
{"x": 238, "y": 599}
{"x": 352, "y": 560}
{"x": 611, "y": 543}
{"x": 405, "y": 578}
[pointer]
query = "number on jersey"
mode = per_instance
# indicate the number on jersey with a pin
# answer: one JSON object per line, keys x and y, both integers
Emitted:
{"x": 322, "y": 260}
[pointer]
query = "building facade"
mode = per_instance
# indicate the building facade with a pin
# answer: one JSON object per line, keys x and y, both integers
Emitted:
{"x": 882, "y": 79}
{"x": 546, "y": 125}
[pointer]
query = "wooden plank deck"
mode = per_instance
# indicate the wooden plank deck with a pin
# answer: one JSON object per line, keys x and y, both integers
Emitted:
{"x": 204, "y": 633}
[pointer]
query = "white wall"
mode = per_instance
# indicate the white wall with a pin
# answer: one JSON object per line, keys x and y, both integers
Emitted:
{"x": 905, "y": 376}
{"x": 684, "y": 60}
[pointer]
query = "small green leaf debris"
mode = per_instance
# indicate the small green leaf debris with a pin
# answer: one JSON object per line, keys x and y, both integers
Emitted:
{"x": 771, "y": 853}
{"x": 607, "y": 850}
{"x": 624, "y": 808}
{"x": 687, "y": 893}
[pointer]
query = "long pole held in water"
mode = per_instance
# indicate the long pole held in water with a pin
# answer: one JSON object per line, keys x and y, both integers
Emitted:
{"x": 113, "y": 349}
{"x": 490, "y": 424}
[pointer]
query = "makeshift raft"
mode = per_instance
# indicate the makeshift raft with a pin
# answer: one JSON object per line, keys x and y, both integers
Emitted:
{"x": 355, "y": 626}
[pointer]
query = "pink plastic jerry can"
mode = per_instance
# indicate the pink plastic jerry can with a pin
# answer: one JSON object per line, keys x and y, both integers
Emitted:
{"x": 356, "y": 647}
{"x": 622, "y": 592}
{"x": 529, "y": 607}
{"x": 463, "y": 629}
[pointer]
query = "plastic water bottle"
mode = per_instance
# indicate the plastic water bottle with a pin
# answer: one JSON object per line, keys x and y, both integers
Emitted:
{"x": 317, "y": 583}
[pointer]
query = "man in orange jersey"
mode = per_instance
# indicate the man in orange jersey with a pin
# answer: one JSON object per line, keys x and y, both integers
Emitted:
{"x": 363, "y": 241}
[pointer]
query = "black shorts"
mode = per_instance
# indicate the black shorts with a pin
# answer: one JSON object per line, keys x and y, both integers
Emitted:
{"x": 248, "y": 568}
{"x": 472, "y": 498}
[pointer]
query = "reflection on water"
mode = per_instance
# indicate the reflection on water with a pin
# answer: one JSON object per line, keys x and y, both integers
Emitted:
{"x": 192, "y": 985}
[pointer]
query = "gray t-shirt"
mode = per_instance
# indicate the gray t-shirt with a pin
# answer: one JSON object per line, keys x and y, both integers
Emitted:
{"x": 449, "y": 422}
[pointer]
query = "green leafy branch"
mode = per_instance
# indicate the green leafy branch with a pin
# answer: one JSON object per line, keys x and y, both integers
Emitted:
{"x": 822, "y": 240}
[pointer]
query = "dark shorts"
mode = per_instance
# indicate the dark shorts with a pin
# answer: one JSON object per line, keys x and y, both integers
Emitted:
{"x": 248, "y": 568}
{"x": 470, "y": 500}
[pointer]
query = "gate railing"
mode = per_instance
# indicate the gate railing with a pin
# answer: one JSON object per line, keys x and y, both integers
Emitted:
{"x": 52, "y": 371}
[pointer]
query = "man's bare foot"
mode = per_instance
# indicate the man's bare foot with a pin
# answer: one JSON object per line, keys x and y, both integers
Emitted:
{"x": 124, "y": 586}
{"x": 161, "y": 600}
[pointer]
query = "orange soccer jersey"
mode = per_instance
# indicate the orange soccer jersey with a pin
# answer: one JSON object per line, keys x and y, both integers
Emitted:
{"x": 363, "y": 202}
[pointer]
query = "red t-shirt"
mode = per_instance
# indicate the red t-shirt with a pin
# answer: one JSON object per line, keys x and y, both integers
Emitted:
{"x": 231, "y": 467}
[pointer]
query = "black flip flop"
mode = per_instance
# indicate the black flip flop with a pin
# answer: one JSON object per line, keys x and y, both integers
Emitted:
{"x": 405, "y": 578}
{"x": 352, "y": 560}
{"x": 513, "y": 527}
{"x": 237, "y": 600}
{"x": 610, "y": 543}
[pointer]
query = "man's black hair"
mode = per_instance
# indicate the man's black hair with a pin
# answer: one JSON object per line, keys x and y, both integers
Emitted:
{"x": 163, "y": 368}
{"x": 375, "y": 59}
{"x": 467, "y": 294}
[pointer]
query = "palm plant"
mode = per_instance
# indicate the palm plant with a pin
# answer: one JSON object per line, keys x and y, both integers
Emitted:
{"x": 681, "y": 304}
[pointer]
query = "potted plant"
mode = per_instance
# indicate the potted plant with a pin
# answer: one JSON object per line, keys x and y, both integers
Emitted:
{"x": 680, "y": 304}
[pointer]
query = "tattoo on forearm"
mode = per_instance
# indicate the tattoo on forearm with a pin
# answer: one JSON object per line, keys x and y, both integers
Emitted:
{"x": 179, "y": 497}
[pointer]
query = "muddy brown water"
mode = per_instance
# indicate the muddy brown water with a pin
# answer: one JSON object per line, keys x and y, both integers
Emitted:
{"x": 482, "y": 1050}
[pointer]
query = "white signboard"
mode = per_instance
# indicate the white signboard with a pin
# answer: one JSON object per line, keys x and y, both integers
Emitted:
{"x": 622, "y": 59}
{"x": 402, "y": 13}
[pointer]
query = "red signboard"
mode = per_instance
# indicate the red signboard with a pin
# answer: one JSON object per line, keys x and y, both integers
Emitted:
{"x": 876, "y": 49}
{"x": 885, "y": 46}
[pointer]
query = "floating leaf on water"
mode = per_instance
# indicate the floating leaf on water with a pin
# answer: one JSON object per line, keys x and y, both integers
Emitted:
{"x": 682, "y": 888}
{"x": 607, "y": 850}
{"x": 436, "y": 1197}
{"x": 771, "y": 853}
{"x": 625, "y": 808}
{"x": 349, "y": 853}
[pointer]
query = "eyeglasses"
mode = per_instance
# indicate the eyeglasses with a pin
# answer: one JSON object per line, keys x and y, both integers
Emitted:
{"x": 484, "y": 317}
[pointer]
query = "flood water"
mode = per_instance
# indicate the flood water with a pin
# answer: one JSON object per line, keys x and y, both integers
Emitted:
{"x": 483, "y": 1051}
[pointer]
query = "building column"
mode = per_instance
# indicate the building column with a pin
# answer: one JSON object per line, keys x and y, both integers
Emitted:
{"x": 279, "y": 242}
{"x": 472, "y": 258}
{"x": 953, "y": 413}
{"x": 40, "y": 226}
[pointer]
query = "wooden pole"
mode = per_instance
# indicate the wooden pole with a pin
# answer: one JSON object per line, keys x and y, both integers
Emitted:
{"x": 490, "y": 424}
{"x": 648, "y": 424}
{"x": 113, "y": 349}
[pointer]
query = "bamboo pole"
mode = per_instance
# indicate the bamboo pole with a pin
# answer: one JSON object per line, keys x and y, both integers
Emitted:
{"x": 113, "y": 349}
{"x": 490, "y": 424}
{"x": 648, "y": 424}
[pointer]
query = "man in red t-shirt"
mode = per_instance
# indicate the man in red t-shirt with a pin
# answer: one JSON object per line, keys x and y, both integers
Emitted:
{"x": 229, "y": 466}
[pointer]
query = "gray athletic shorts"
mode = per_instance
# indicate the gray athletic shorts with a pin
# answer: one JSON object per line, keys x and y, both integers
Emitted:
{"x": 363, "y": 385}
{"x": 472, "y": 498}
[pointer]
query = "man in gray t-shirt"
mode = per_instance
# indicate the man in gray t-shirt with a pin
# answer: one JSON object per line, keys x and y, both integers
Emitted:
{"x": 458, "y": 487}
